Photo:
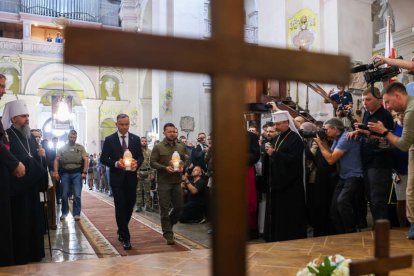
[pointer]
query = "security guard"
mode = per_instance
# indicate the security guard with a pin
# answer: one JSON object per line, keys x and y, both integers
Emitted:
{"x": 73, "y": 160}
{"x": 145, "y": 177}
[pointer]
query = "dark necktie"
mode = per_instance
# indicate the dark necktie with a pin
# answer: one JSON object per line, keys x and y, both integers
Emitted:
{"x": 124, "y": 145}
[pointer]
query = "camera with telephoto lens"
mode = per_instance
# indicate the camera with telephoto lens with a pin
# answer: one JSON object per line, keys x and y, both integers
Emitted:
{"x": 374, "y": 74}
{"x": 313, "y": 134}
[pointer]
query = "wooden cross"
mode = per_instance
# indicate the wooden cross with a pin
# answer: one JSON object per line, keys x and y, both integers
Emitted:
{"x": 382, "y": 263}
{"x": 229, "y": 61}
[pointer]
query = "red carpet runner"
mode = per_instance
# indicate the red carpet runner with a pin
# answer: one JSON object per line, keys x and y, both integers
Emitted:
{"x": 144, "y": 240}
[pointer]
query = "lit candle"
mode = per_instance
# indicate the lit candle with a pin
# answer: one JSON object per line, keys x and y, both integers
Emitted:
{"x": 175, "y": 160}
{"x": 127, "y": 159}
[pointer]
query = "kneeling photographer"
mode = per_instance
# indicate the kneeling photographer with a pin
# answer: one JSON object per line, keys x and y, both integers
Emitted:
{"x": 197, "y": 192}
{"x": 344, "y": 213}
{"x": 376, "y": 154}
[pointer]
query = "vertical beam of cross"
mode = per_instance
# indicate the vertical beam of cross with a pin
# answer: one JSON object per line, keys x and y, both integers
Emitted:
{"x": 229, "y": 210}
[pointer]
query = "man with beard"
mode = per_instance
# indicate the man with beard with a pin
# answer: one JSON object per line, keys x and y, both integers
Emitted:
{"x": 25, "y": 201}
{"x": 8, "y": 165}
{"x": 285, "y": 198}
{"x": 169, "y": 189}
{"x": 123, "y": 181}
{"x": 73, "y": 161}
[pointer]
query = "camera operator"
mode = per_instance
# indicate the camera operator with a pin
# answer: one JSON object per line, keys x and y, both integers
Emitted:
{"x": 404, "y": 64}
{"x": 343, "y": 99}
{"x": 344, "y": 114}
{"x": 196, "y": 188}
{"x": 376, "y": 154}
{"x": 343, "y": 212}
{"x": 396, "y": 98}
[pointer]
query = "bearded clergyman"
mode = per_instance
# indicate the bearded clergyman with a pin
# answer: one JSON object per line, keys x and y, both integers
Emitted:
{"x": 26, "y": 213}
{"x": 285, "y": 196}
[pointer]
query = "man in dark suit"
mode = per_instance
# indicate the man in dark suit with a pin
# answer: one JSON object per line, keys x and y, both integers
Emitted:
{"x": 122, "y": 181}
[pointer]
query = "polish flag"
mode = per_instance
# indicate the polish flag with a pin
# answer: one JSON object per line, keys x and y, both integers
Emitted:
{"x": 389, "y": 43}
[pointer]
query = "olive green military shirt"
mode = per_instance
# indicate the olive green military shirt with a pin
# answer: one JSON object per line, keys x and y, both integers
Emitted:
{"x": 71, "y": 157}
{"x": 160, "y": 159}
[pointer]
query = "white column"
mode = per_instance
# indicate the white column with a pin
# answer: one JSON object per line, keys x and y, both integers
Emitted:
{"x": 145, "y": 107}
{"x": 129, "y": 15}
{"x": 92, "y": 144}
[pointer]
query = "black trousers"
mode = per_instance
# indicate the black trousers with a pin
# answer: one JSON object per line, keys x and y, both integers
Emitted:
{"x": 378, "y": 183}
{"x": 343, "y": 213}
{"x": 124, "y": 199}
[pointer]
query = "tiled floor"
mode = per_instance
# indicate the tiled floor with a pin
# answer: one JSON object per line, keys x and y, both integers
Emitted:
{"x": 68, "y": 242}
{"x": 283, "y": 258}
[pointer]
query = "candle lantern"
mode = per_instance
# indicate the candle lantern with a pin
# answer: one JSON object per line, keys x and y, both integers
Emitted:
{"x": 127, "y": 159}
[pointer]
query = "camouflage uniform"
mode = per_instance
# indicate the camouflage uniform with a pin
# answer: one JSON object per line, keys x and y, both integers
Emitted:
{"x": 145, "y": 175}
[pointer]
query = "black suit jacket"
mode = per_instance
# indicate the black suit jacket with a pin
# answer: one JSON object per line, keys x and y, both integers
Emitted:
{"x": 112, "y": 151}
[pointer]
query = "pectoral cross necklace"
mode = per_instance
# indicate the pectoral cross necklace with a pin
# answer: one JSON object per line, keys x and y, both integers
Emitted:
{"x": 21, "y": 143}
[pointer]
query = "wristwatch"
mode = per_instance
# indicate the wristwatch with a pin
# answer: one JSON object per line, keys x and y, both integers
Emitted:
{"x": 385, "y": 133}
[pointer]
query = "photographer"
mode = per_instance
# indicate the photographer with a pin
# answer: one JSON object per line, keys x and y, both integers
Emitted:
{"x": 376, "y": 154}
{"x": 195, "y": 207}
{"x": 396, "y": 98}
{"x": 342, "y": 98}
{"x": 343, "y": 212}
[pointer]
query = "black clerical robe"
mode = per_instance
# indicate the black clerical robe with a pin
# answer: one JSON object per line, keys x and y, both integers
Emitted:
{"x": 27, "y": 218}
{"x": 8, "y": 164}
{"x": 285, "y": 197}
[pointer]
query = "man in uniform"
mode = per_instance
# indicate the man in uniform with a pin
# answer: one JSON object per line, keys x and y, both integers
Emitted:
{"x": 169, "y": 189}
{"x": 145, "y": 177}
{"x": 74, "y": 164}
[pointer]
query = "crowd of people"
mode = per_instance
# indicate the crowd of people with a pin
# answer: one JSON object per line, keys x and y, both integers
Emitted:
{"x": 300, "y": 175}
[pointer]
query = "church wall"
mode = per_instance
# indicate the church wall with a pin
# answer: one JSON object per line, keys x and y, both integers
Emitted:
{"x": 355, "y": 29}
{"x": 403, "y": 13}
{"x": 272, "y": 23}
{"x": 188, "y": 18}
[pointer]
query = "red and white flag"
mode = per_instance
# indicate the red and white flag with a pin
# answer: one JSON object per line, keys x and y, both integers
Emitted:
{"x": 389, "y": 42}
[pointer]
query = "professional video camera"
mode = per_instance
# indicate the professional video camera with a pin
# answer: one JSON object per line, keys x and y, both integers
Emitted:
{"x": 312, "y": 134}
{"x": 374, "y": 74}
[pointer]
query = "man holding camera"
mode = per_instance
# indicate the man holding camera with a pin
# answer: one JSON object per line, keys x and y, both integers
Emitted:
{"x": 396, "y": 98}
{"x": 376, "y": 154}
{"x": 347, "y": 152}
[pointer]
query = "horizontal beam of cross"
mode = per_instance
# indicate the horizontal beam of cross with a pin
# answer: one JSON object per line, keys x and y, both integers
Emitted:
{"x": 377, "y": 266}
{"x": 137, "y": 50}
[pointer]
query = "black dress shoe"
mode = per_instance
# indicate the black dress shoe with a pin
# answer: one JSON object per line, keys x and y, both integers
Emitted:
{"x": 127, "y": 245}
{"x": 120, "y": 238}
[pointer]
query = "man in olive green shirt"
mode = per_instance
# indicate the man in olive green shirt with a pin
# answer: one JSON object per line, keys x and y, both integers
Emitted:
{"x": 396, "y": 98}
{"x": 72, "y": 162}
{"x": 169, "y": 189}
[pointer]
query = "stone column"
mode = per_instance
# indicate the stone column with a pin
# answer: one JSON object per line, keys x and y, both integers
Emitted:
{"x": 128, "y": 15}
{"x": 145, "y": 124}
{"x": 92, "y": 139}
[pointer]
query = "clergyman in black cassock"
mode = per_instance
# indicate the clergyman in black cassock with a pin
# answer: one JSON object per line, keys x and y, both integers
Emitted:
{"x": 285, "y": 198}
{"x": 27, "y": 219}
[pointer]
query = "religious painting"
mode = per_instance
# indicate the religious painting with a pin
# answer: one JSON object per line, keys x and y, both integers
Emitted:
{"x": 110, "y": 88}
{"x": 62, "y": 115}
{"x": 12, "y": 80}
{"x": 303, "y": 31}
{"x": 187, "y": 124}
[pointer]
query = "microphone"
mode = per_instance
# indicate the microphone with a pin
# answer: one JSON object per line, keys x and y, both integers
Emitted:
{"x": 361, "y": 68}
